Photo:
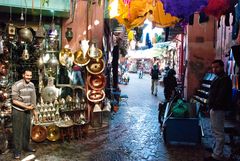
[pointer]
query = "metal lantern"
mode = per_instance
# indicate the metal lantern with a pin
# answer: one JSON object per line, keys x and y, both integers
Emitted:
{"x": 51, "y": 65}
{"x": 82, "y": 104}
{"x": 69, "y": 34}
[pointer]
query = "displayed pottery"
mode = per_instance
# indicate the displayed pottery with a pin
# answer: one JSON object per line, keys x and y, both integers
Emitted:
{"x": 96, "y": 82}
{"x": 39, "y": 133}
{"x": 53, "y": 133}
{"x": 96, "y": 67}
{"x": 95, "y": 95}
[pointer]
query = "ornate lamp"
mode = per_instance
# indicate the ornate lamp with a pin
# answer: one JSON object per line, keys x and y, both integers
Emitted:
{"x": 69, "y": 34}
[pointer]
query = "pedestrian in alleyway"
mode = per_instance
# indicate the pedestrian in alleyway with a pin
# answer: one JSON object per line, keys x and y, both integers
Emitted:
{"x": 220, "y": 95}
{"x": 24, "y": 103}
{"x": 170, "y": 84}
{"x": 155, "y": 76}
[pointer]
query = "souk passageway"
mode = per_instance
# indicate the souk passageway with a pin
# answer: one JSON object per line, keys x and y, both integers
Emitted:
{"x": 133, "y": 134}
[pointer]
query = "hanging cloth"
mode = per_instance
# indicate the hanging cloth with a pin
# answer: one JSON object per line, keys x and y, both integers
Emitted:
{"x": 134, "y": 14}
{"x": 183, "y": 8}
{"x": 217, "y": 7}
{"x": 162, "y": 19}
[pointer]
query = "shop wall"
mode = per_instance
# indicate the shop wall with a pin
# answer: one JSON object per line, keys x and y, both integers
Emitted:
{"x": 201, "y": 52}
{"x": 83, "y": 17}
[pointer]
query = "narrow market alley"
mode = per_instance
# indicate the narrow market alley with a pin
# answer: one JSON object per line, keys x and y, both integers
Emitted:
{"x": 133, "y": 134}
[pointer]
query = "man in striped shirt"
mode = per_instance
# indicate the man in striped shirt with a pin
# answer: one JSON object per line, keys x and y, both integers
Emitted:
{"x": 24, "y": 103}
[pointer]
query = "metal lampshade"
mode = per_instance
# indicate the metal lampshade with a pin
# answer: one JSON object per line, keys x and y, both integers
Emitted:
{"x": 97, "y": 108}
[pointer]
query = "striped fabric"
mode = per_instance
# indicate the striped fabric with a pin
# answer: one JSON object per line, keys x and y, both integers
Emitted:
{"x": 24, "y": 92}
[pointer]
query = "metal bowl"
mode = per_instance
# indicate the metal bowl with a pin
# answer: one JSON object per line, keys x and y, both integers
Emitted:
{"x": 80, "y": 59}
{"x": 53, "y": 133}
{"x": 96, "y": 82}
{"x": 66, "y": 56}
{"x": 39, "y": 133}
{"x": 95, "y": 95}
{"x": 96, "y": 67}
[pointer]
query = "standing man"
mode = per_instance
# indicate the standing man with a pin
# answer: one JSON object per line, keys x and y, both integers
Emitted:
{"x": 24, "y": 103}
{"x": 155, "y": 76}
{"x": 220, "y": 95}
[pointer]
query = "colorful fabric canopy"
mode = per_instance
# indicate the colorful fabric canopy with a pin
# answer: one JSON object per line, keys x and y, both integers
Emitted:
{"x": 183, "y": 8}
{"x": 162, "y": 19}
{"x": 217, "y": 7}
{"x": 137, "y": 11}
{"x": 134, "y": 14}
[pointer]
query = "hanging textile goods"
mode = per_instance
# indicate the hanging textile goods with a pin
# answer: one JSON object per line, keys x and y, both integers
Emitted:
{"x": 217, "y": 7}
{"x": 162, "y": 19}
{"x": 133, "y": 15}
{"x": 183, "y": 9}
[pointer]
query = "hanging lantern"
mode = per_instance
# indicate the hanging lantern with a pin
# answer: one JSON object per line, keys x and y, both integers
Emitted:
{"x": 25, "y": 35}
{"x": 25, "y": 54}
{"x": 69, "y": 34}
{"x": 40, "y": 62}
{"x": 52, "y": 65}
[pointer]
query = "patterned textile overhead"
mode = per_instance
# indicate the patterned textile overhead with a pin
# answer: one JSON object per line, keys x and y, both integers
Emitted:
{"x": 183, "y": 8}
{"x": 217, "y": 7}
{"x": 135, "y": 12}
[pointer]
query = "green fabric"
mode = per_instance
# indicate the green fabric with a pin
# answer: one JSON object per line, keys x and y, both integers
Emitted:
{"x": 180, "y": 109}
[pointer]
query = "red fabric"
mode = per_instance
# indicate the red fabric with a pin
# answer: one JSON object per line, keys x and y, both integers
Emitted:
{"x": 76, "y": 68}
{"x": 217, "y": 7}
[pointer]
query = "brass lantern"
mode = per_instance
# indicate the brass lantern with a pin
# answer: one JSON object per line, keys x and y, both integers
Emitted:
{"x": 51, "y": 65}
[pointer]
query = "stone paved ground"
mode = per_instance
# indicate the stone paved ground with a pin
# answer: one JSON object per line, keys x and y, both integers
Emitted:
{"x": 133, "y": 134}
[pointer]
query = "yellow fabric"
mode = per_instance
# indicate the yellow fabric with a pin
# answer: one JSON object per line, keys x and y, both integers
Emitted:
{"x": 162, "y": 19}
{"x": 137, "y": 11}
{"x": 134, "y": 14}
{"x": 130, "y": 35}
